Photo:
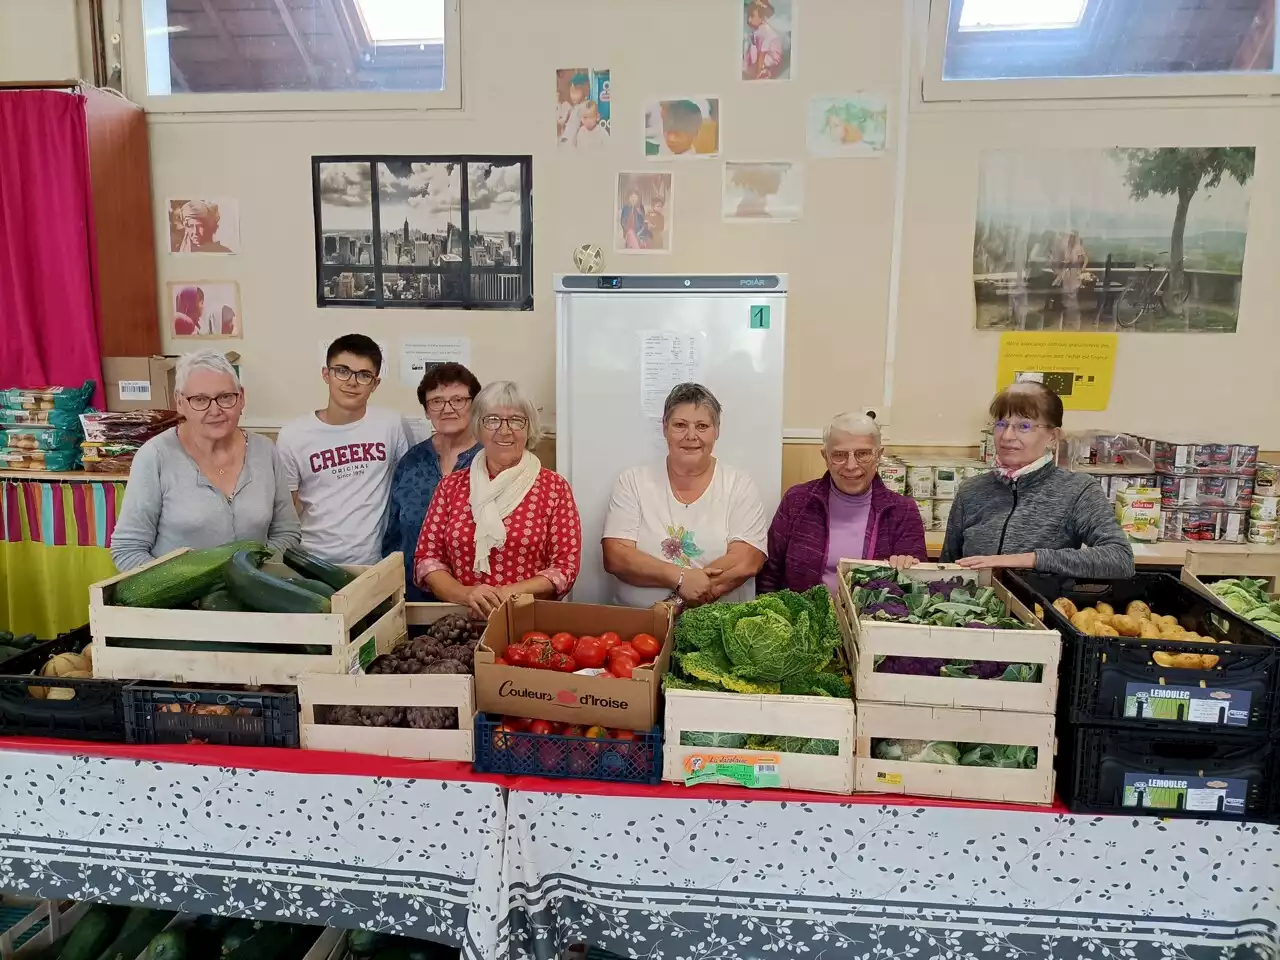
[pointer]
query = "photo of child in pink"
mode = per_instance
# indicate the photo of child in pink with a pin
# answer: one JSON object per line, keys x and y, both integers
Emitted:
{"x": 763, "y": 53}
{"x": 634, "y": 230}
{"x": 569, "y": 113}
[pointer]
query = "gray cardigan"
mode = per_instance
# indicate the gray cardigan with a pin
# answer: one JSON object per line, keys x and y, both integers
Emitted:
{"x": 1051, "y": 512}
{"x": 168, "y": 503}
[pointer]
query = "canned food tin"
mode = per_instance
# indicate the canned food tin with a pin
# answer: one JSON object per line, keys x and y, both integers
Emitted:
{"x": 1268, "y": 481}
{"x": 1265, "y": 508}
{"x": 1263, "y": 531}
{"x": 920, "y": 481}
{"x": 926, "y": 511}
{"x": 941, "y": 513}
{"x": 945, "y": 481}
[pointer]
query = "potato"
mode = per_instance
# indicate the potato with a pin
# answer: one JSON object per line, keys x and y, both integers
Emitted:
{"x": 1105, "y": 609}
{"x": 1208, "y": 661}
{"x": 1137, "y": 608}
{"x": 64, "y": 664}
{"x": 1172, "y": 633}
{"x": 1148, "y": 630}
{"x": 1065, "y": 607}
{"x": 1180, "y": 661}
{"x": 1085, "y": 624}
{"x": 1169, "y": 621}
{"x": 1106, "y": 630}
{"x": 1126, "y": 626}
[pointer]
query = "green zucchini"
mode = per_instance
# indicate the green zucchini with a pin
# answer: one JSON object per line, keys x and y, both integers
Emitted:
{"x": 315, "y": 586}
{"x": 7, "y": 652}
{"x": 261, "y": 591}
{"x": 91, "y": 935}
{"x": 167, "y": 945}
{"x": 221, "y": 600}
{"x": 267, "y": 944}
{"x": 24, "y": 641}
{"x": 6, "y": 638}
{"x": 180, "y": 581}
{"x": 362, "y": 943}
{"x": 240, "y": 931}
{"x": 136, "y": 934}
{"x": 317, "y": 568}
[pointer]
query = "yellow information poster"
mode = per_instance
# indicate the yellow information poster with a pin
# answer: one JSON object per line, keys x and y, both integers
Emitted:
{"x": 1075, "y": 366}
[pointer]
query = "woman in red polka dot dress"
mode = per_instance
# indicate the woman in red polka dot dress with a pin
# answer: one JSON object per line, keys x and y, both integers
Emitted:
{"x": 506, "y": 525}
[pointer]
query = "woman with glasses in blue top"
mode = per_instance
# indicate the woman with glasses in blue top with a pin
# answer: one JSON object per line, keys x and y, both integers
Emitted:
{"x": 446, "y": 394}
{"x": 1029, "y": 513}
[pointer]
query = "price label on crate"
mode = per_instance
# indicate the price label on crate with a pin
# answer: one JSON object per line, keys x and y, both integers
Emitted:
{"x": 740, "y": 769}
{"x": 1219, "y": 705}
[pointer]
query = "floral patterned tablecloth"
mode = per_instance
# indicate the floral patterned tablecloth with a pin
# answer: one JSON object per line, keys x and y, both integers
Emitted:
{"x": 419, "y": 857}
{"x": 666, "y": 879}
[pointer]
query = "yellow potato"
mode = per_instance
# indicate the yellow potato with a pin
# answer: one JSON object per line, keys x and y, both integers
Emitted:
{"x": 1208, "y": 661}
{"x": 1065, "y": 607}
{"x": 1106, "y": 630}
{"x": 1126, "y": 626}
{"x": 1137, "y": 608}
{"x": 1105, "y": 609}
{"x": 1172, "y": 633}
{"x": 1169, "y": 621}
{"x": 1085, "y": 625}
{"x": 1148, "y": 630}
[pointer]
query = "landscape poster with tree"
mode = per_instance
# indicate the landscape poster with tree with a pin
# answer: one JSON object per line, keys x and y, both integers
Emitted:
{"x": 1147, "y": 240}
{"x": 425, "y": 232}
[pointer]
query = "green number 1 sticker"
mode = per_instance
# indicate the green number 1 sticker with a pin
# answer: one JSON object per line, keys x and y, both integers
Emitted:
{"x": 760, "y": 318}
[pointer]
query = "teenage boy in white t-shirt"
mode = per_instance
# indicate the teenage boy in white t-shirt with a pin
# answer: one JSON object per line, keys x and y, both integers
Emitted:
{"x": 340, "y": 460}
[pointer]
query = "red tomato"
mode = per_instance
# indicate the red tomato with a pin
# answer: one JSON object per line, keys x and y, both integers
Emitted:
{"x": 573, "y": 730}
{"x": 501, "y": 662}
{"x": 564, "y": 642}
{"x": 622, "y": 734}
{"x": 582, "y": 759}
{"x": 542, "y": 727}
{"x": 624, "y": 647}
{"x": 610, "y": 639}
{"x": 551, "y": 756}
{"x": 516, "y": 723}
{"x": 561, "y": 662}
{"x": 518, "y": 655}
{"x": 535, "y": 636}
{"x": 590, "y": 652}
{"x": 621, "y": 663}
{"x": 647, "y": 646}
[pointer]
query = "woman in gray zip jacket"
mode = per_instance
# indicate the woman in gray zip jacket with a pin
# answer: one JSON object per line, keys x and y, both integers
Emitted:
{"x": 1029, "y": 513}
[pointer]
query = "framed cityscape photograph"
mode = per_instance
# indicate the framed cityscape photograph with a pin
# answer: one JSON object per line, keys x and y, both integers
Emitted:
{"x": 450, "y": 232}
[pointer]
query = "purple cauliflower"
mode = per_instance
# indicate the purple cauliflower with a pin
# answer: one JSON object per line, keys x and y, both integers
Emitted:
{"x": 887, "y": 585}
{"x": 944, "y": 588}
{"x": 916, "y": 666}
{"x": 893, "y": 609}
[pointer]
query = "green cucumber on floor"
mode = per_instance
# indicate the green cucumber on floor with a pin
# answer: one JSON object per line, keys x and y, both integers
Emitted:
{"x": 136, "y": 934}
{"x": 267, "y": 944}
{"x": 167, "y": 945}
{"x": 91, "y": 935}
{"x": 238, "y": 933}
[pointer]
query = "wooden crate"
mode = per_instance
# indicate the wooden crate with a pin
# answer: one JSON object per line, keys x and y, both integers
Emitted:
{"x": 867, "y": 639}
{"x": 384, "y": 581}
{"x": 60, "y": 921}
{"x": 1241, "y": 562}
{"x": 894, "y": 721}
{"x": 392, "y": 690}
{"x": 825, "y": 718}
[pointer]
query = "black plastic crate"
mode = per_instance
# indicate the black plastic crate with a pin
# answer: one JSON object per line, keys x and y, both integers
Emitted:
{"x": 96, "y": 712}
{"x": 552, "y": 755}
{"x": 1111, "y": 770}
{"x": 1115, "y": 682}
{"x": 163, "y": 713}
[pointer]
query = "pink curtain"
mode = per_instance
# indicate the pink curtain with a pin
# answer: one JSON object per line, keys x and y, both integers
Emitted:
{"x": 48, "y": 267}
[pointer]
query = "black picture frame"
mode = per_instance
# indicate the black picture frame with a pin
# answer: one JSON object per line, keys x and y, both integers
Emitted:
{"x": 468, "y": 286}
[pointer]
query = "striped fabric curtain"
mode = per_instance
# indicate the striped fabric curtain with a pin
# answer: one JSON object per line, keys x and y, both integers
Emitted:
{"x": 54, "y": 539}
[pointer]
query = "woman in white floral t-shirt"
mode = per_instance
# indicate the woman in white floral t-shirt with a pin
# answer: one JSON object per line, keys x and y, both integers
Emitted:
{"x": 690, "y": 527}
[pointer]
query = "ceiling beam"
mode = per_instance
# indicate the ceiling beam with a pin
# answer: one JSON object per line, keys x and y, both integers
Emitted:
{"x": 294, "y": 35}
{"x": 341, "y": 35}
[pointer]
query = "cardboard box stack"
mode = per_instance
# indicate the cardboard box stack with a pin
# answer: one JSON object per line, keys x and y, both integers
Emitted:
{"x": 922, "y": 731}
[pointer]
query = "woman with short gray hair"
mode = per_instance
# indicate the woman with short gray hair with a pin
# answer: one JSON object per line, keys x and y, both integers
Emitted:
{"x": 506, "y": 525}
{"x": 691, "y": 528}
{"x": 846, "y": 513}
{"x": 204, "y": 482}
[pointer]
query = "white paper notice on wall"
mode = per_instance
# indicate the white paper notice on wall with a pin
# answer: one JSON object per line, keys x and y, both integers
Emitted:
{"x": 665, "y": 360}
{"x": 422, "y": 352}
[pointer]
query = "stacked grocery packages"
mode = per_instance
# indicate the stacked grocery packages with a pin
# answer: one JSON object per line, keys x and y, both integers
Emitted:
{"x": 40, "y": 428}
{"x": 932, "y": 483}
{"x": 955, "y": 684}
{"x": 1167, "y": 701}
{"x": 112, "y": 439}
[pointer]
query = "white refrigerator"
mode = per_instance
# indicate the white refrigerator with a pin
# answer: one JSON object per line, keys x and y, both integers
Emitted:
{"x": 622, "y": 342}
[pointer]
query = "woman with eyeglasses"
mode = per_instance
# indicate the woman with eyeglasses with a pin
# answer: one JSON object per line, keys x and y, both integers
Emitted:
{"x": 445, "y": 393}
{"x": 687, "y": 528}
{"x": 204, "y": 482}
{"x": 1031, "y": 514}
{"x": 506, "y": 525}
{"x": 847, "y": 513}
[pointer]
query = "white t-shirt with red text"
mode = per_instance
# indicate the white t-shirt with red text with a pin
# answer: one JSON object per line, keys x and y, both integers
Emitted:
{"x": 342, "y": 475}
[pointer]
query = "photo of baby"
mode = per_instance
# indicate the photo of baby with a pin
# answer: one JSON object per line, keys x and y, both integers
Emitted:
{"x": 643, "y": 213}
{"x": 582, "y": 108}
{"x": 205, "y": 309}
{"x": 682, "y": 128}
{"x": 856, "y": 126}
{"x": 767, "y": 27}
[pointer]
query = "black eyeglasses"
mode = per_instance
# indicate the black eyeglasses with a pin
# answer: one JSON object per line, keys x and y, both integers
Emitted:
{"x": 494, "y": 424}
{"x": 200, "y": 402}
{"x": 436, "y": 404}
{"x": 363, "y": 377}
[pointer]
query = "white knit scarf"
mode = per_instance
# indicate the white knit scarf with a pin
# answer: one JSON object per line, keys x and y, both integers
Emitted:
{"x": 494, "y": 499}
{"x": 1019, "y": 472}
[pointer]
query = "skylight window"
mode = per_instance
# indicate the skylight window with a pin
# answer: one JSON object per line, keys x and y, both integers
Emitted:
{"x": 1019, "y": 14}
{"x": 403, "y": 21}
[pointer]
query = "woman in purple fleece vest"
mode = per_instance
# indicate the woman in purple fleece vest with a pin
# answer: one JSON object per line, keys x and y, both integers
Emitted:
{"x": 847, "y": 513}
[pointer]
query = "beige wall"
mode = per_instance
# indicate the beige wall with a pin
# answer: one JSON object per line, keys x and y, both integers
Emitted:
{"x": 838, "y": 257}
{"x": 38, "y": 40}
{"x": 1219, "y": 386}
